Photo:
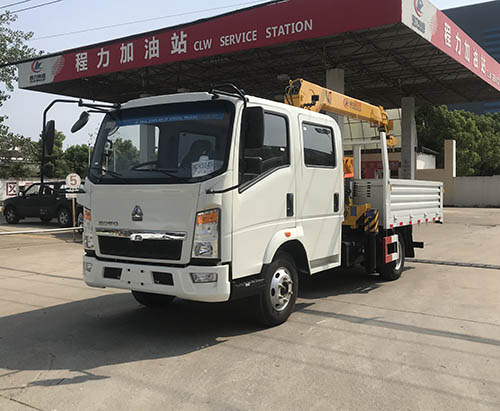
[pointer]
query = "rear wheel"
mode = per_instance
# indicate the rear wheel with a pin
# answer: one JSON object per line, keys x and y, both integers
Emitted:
{"x": 281, "y": 284}
{"x": 152, "y": 300}
{"x": 11, "y": 216}
{"x": 392, "y": 271}
{"x": 64, "y": 217}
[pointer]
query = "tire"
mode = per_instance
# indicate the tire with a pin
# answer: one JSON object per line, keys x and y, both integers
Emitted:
{"x": 64, "y": 217}
{"x": 10, "y": 214}
{"x": 151, "y": 300}
{"x": 392, "y": 271}
{"x": 281, "y": 285}
{"x": 45, "y": 220}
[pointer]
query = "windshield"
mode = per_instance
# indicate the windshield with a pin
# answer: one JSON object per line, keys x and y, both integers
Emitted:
{"x": 174, "y": 143}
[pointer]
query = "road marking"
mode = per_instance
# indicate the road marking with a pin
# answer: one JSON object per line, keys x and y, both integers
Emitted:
{"x": 455, "y": 264}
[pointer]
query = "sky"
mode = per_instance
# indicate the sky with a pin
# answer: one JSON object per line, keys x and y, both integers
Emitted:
{"x": 25, "y": 108}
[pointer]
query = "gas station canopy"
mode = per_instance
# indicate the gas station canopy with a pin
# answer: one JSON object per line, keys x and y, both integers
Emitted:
{"x": 389, "y": 49}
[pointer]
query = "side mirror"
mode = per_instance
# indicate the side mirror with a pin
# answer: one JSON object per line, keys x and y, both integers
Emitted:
{"x": 21, "y": 192}
{"x": 81, "y": 122}
{"x": 253, "y": 129}
{"x": 48, "y": 136}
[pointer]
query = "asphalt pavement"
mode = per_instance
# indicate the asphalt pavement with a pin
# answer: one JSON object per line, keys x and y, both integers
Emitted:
{"x": 429, "y": 341}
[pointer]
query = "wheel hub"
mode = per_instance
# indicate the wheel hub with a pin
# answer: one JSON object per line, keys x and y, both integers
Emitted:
{"x": 399, "y": 260}
{"x": 281, "y": 289}
{"x": 64, "y": 218}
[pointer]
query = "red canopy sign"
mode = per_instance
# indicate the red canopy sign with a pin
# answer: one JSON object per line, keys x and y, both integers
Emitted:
{"x": 256, "y": 27}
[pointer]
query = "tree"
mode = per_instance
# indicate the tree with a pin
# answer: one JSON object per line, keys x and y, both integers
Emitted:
{"x": 56, "y": 165}
{"x": 477, "y": 137}
{"x": 77, "y": 159}
{"x": 18, "y": 155}
{"x": 12, "y": 49}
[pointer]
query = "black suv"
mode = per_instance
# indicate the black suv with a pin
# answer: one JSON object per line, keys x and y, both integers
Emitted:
{"x": 45, "y": 202}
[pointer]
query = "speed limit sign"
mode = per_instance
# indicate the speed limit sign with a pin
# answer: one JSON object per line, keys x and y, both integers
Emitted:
{"x": 73, "y": 181}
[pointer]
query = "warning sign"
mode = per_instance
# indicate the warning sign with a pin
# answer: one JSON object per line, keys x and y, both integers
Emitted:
{"x": 11, "y": 189}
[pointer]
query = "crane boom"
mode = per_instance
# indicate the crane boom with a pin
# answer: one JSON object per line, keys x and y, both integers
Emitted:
{"x": 304, "y": 94}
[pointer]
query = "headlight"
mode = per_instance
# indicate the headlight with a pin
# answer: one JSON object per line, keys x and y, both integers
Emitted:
{"x": 206, "y": 234}
{"x": 88, "y": 241}
{"x": 88, "y": 238}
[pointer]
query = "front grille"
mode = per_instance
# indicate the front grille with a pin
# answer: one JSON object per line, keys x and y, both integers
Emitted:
{"x": 151, "y": 249}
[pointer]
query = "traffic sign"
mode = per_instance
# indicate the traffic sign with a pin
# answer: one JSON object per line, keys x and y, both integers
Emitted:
{"x": 73, "y": 181}
{"x": 11, "y": 189}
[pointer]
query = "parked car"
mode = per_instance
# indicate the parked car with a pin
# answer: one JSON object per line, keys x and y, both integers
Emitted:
{"x": 45, "y": 202}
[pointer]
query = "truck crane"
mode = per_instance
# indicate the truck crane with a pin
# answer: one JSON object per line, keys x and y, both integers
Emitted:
{"x": 225, "y": 196}
{"x": 304, "y": 94}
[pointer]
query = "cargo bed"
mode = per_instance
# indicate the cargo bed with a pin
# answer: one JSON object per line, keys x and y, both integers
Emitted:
{"x": 402, "y": 202}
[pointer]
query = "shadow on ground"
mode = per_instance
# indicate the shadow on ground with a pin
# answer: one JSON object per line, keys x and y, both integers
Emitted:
{"x": 114, "y": 329}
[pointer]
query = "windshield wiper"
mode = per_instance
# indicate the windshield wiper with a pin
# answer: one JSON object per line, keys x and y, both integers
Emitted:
{"x": 109, "y": 172}
{"x": 166, "y": 171}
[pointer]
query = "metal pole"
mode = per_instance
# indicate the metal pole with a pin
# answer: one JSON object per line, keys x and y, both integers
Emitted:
{"x": 73, "y": 201}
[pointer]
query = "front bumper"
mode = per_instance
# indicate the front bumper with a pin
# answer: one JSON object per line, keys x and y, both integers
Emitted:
{"x": 139, "y": 277}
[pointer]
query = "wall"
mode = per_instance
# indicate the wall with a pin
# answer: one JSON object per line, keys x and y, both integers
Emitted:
{"x": 463, "y": 191}
{"x": 477, "y": 191}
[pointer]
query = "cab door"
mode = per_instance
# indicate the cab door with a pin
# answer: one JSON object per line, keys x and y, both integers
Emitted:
{"x": 265, "y": 202}
{"x": 320, "y": 191}
{"x": 49, "y": 201}
{"x": 29, "y": 204}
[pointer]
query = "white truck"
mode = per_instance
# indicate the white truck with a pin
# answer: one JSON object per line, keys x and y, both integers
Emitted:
{"x": 217, "y": 195}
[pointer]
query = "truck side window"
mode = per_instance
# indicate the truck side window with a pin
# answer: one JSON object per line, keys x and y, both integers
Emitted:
{"x": 273, "y": 154}
{"x": 319, "y": 148}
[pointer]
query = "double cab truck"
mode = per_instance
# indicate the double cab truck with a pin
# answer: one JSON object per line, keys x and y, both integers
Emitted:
{"x": 214, "y": 196}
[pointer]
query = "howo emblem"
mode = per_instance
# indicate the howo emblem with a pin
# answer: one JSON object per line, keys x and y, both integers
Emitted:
{"x": 137, "y": 213}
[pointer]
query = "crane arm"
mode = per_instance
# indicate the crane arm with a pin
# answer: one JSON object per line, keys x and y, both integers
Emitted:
{"x": 304, "y": 94}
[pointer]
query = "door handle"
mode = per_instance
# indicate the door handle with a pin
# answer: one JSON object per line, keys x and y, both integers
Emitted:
{"x": 289, "y": 205}
{"x": 336, "y": 202}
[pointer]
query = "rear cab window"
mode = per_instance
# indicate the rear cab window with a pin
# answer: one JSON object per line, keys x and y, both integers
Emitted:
{"x": 319, "y": 146}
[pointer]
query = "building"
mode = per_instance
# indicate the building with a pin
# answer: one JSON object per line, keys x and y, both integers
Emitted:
{"x": 482, "y": 23}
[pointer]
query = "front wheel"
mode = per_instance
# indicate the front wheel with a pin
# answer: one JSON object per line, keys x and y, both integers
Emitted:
{"x": 151, "y": 300}
{"x": 392, "y": 271}
{"x": 11, "y": 215}
{"x": 281, "y": 285}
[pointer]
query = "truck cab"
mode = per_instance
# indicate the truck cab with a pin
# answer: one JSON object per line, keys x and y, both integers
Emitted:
{"x": 197, "y": 195}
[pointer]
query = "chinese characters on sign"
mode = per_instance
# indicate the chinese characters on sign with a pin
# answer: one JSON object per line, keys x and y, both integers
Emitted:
{"x": 478, "y": 61}
{"x": 81, "y": 62}
{"x": 103, "y": 58}
{"x": 179, "y": 43}
{"x": 163, "y": 47}
{"x": 127, "y": 53}
{"x": 152, "y": 47}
